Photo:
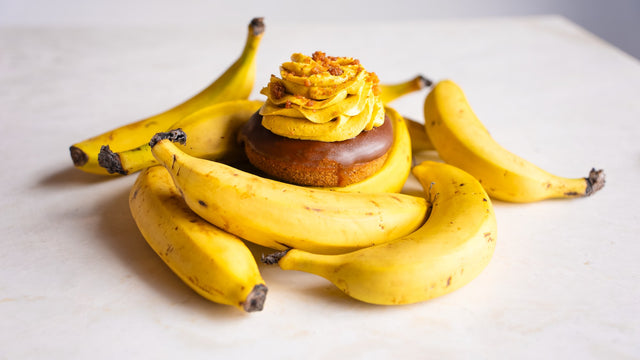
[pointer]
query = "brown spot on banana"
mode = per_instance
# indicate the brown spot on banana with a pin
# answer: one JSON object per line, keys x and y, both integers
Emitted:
{"x": 313, "y": 209}
{"x": 169, "y": 250}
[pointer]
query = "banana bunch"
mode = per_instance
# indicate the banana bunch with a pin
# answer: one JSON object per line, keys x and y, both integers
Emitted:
{"x": 214, "y": 262}
{"x": 375, "y": 243}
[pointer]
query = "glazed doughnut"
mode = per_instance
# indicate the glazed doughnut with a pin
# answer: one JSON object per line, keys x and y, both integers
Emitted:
{"x": 316, "y": 163}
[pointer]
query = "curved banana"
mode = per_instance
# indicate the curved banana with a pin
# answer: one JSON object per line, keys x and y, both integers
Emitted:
{"x": 215, "y": 264}
{"x": 396, "y": 169}
{"x": 390, "y": 92}
{"x": 211, "y": 134}
{"x": 235, "y": 83}
{"x": 462, "y": 140}
{"x": 281, "y": 216}
{"x": 453, "y": 246}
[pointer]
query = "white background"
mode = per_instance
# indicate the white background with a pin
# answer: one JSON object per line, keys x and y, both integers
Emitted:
{"x": 617, "y": 21}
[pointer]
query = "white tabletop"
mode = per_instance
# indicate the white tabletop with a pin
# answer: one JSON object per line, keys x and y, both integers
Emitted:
{"x": 79, "y": 281}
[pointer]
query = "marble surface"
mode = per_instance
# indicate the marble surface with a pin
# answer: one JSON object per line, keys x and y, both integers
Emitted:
{"x": 79, "y": 281}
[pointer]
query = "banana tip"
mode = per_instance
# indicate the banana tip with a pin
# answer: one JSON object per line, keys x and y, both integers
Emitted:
{"x": 257, "y": 26}
{"x": 273, "y": 258}
{"x": 424, "y": 81}
{"x": 595, "y": 181}
{"x": 256, "y": 298}
{"x": 78, "y": 156}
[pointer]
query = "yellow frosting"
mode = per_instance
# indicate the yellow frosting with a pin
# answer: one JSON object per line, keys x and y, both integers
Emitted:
{"x": 322, "y": 98}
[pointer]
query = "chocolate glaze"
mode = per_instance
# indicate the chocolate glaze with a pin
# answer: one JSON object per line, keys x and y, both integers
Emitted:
{"x": 367, "y": 146}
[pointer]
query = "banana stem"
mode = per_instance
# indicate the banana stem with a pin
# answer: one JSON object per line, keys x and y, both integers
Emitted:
{"x": 595, "y": 181}
{"x": 110, "y": 161}
{"x": 273, "y": 258}
{"x": 175, "y": 135}
{"x": 113, "y": 163}
{"x": 391, "y": 92}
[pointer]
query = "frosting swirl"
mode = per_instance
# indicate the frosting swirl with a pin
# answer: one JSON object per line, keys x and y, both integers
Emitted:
{"x": 322, "y": 98}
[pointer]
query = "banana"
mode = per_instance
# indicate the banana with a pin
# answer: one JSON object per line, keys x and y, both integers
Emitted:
{"x": 419, "y": 139}
{"x": 281, "y": 216}
{"x": 462, "y": 140}
{"x": 396, "y": 169}
{"x": 211, "y": 133}
{"x": 235, "y": 83}
{"x": 215, "y": 264}
{"x": 452, "y": 247}
{"x": 390, "y": 92}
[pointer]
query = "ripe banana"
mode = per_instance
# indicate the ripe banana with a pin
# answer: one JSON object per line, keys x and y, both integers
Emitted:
{"x": 462, "y": 140}
{"x": 452, "y": 247}
{"x": 396, "y": 168}
{"x": 419, "y": 139}
{"x": 235, "y": 83}
{"x": 281, "y": 216}
{"x": 215, "y": 264}
{"x": 390, "y": 92}
{"x": 211, "y": 133}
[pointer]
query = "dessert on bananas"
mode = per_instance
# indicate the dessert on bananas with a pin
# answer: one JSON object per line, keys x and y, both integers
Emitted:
{"x": 323, "y": 123}
{"x": 462, "y": 140}
{"x": 214, "y": 263}
{"x": 212, "y": 133}
{"x": 234, "y": 84}
{"x": 449, "y": 250}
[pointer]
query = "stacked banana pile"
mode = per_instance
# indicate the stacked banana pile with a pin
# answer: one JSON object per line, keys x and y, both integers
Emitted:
{"x": 373, "y": 242}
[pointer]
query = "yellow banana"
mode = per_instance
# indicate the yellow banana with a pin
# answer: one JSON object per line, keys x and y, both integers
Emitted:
{"x": 462, "y": 140}
{"x": 453, "y": 246}
{"x": 390, "y": 92}
{"x": 396, "y": 168}
{"x": 215, "y": 264}
{"x": 419, "y": 139}
{"x": 235, "y": 83}
{"x": 281, "y": 216}
{"x": 211, "y": 133}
